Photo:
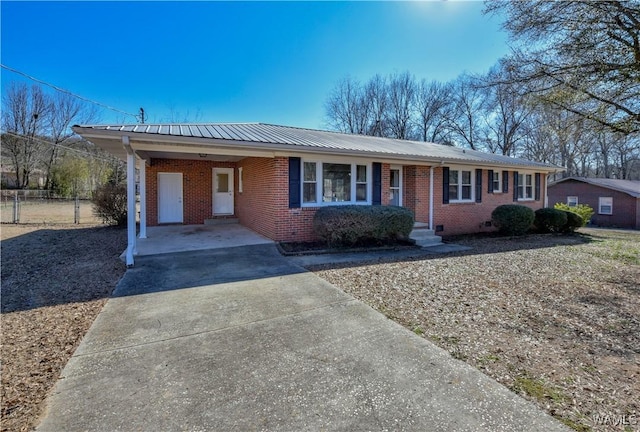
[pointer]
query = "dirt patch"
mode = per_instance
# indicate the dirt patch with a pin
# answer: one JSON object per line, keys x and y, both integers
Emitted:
{"x": 555, "y": 319}
{"x": 55, "y": 280}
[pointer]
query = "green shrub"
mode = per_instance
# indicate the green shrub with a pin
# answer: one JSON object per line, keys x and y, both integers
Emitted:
{"x": 550, "y": 220}
{"x": 349, "y": 225}
{"x": 584, "y": 210}
{"x": 110, "y": 203}
{"x": 512, "y": 219}
{"x": 574, "y": 221}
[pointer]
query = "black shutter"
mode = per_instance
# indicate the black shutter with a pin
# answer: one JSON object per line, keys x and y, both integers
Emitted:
{"x": 445, "y": 185}
{"x": 537, "y": 186}
{"x": 505, "y": 181}
{"x": 376, "y": 199}
{"x": 490, "y": 182}
{"x": 294, "y": 183}
{"x": 478, "y": 185}
{"x": 515, "y": 186}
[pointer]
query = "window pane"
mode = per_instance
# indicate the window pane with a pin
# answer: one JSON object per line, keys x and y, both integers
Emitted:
{"x": 466, "y": 177}
{"x": 361, "y": 173}
{"x": 361, "y": 192}
{"x": 453, "y": 192}
{"x": 310, "y": 171}
{"x": 336, "y": 182}
{"x": 222, "y": 182}
{"x": 394, "y": 178}
{"x": 466, "y": 192}
{"x": 453, "y": 177}
{"x": 309, "y": 193}
{"x": 496, "y": 181}
{"x": 529, "y": 192}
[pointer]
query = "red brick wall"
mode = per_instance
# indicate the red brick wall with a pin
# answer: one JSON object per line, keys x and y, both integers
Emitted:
{"x": 197, "y": 187}
{"x": 415, "y": 181}
{"x": 625, "y": 207}
{"x": 466, "y": 218}
{"x": 263, "y": 205}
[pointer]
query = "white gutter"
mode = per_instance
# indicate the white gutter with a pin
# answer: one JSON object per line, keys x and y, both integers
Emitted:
{"x": 431, "y": 197}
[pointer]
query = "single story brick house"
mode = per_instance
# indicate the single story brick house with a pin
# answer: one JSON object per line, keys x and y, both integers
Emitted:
{"x": 273, "y": 178}
{"x": 616, "y": 203}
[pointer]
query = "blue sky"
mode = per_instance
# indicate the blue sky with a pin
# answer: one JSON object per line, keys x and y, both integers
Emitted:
{"x": 272, "y": 62}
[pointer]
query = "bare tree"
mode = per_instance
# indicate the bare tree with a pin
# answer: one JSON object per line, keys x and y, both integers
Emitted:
{"x": 23, "y": 114}
{"x": 402, "y": 94}
{"x": 347, "y": 109}
{"x": 433, "y": 107}
{"x": 464, "y": 122}
{"x": 65, "y": 110}
{"x": 589, "y": 48}
{"x": 505, "y": 112}
{"x": 377, "y": 99}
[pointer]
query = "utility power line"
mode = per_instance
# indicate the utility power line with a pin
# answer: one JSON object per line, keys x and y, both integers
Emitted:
{"x": 55, "y": 87}
{"x": 85, "y": 153}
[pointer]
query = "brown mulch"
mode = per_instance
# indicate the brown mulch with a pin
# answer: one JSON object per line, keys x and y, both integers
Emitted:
{"x": 55, "y": 280}
{"x": 556, "y": 319}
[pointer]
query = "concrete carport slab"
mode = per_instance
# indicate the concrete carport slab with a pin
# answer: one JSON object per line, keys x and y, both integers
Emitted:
{"x": 243, "y": 339}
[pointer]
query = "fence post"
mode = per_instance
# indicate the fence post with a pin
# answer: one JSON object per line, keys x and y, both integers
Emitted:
{"x": 76, "y": 213}
{"x": 16, "y": 208}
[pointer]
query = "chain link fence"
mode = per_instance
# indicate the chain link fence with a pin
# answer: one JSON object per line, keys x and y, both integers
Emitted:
{"x": 41, "y": 206}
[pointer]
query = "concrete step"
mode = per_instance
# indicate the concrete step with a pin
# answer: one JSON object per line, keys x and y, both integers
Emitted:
{"x": 221, "y": 221}
{"x": 421, "y": 233}
{"x": 420, "y": 225}
{"x": 423, "y": 236}
{"x": 429, "y": 241}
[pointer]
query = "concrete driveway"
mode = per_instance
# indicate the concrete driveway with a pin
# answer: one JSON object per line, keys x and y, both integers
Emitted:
{"x": 243, "y": 339}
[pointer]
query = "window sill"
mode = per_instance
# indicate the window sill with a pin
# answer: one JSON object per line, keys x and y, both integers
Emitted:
{"x": 462, "y": 201}
{"x": 335, "y": 203}
{"x": 526, "y": 199}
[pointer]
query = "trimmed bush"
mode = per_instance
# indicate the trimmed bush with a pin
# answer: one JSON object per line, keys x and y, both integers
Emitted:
{"x": 350, "y": 225}
{"x": 585, "y": 211}
{"x": 110, "y": 203}
{"x": 550, "y": 220}
{"x": 574, "y": 221}
{"x": 512, "y": 219}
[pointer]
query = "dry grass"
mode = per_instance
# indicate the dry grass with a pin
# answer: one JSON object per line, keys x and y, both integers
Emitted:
{"x": 555, "y": 319}
{"x": 55, "y": 280}
{"x": 49, "y": 212}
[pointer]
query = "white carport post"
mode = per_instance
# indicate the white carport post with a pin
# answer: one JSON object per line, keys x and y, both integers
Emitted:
{"x": 131, "y": 201}
{"x": 143, "y": 199}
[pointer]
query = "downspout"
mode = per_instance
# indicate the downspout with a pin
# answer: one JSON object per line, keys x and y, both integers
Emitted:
{"x": 431, "y": 198}
{"x": 143, "y": 199}
{"x": 131, "y": 201}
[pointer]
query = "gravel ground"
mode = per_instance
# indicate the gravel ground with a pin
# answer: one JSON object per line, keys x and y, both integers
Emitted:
{"x": 555, "y": 319}
{"x": 55, "y": 280}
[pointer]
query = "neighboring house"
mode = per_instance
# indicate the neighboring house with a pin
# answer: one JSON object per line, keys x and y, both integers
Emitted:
{"x": 616, "y": 203}
{"x": 273, "y": 178}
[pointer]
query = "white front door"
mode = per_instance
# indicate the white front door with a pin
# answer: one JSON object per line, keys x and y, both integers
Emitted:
{"x": 170, "y": 198}
{"x": 223, "y": 191}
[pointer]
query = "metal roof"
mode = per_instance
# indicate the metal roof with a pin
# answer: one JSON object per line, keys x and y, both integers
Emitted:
{"x": 631, "y": 187}
{"x": 261, "y": 134}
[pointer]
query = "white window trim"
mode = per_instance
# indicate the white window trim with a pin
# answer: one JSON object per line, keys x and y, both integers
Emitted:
{"x": 320, "y": 181}
{"x": 523, "y": 186}
{"x": 600, "y": 205}
{"x": 499, "y": 190}
{"x": 400, "y": 193}
{"x": 569, "y": 200}
{"x": 473, "y": 185}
